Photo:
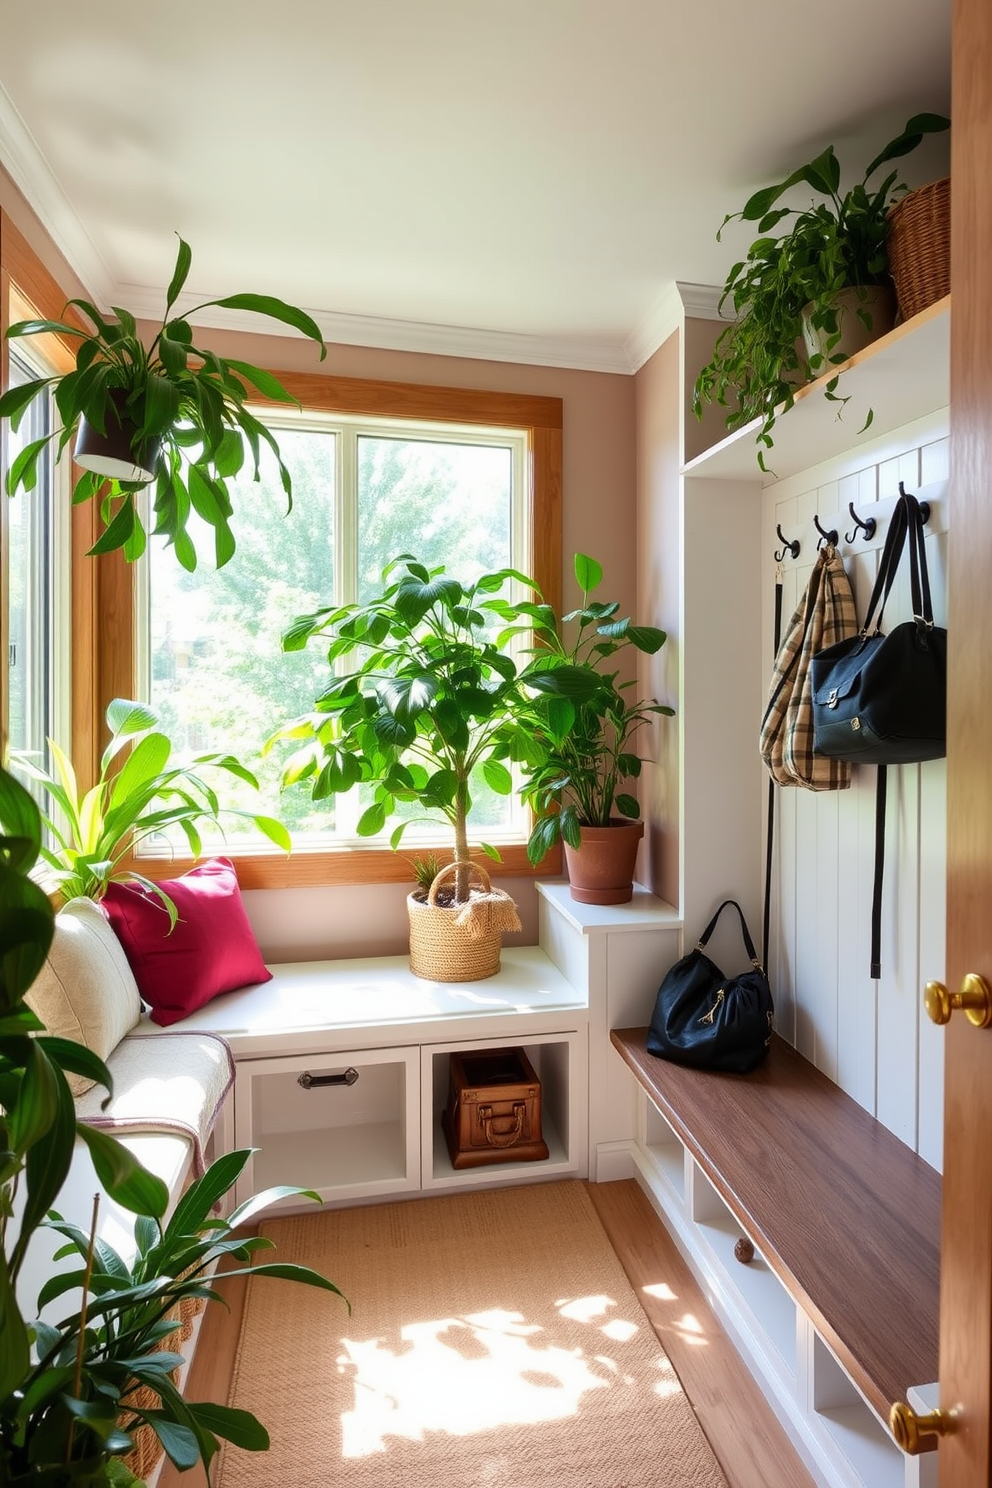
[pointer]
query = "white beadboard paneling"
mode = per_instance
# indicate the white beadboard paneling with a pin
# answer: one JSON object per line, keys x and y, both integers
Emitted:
{"x": 856, "y": 1055}
{"x": 935, "y": 461}
{"x": 897, "y": 995}
{"x": 872, "y": 1038}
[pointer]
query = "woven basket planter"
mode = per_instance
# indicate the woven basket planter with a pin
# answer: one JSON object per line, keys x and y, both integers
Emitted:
{"x": 459, "y": 942}
{"x": 918, "y": 243}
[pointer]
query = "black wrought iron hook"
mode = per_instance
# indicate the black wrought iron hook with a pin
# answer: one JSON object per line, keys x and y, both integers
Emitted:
{"x": 868, "y": 528}
{"x": 792, "y": 548}
{"x": 825, "y": 536}
{"x": 924, "y": 505}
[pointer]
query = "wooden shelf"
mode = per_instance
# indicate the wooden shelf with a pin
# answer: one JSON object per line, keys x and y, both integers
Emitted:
{"x": 901, "y": 377}
{"x": 844, "y": 1213}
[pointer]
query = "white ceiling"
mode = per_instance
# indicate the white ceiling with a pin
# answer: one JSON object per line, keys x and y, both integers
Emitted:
{"x": 515, "y": 178}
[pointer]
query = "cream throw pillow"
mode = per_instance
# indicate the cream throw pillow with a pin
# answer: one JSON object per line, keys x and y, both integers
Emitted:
{"x": 86, "y": 990}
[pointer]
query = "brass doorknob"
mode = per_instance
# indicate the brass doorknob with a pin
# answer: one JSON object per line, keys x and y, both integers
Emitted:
{"x": 911, "y": 1431}
{"x": 974, "y": 997}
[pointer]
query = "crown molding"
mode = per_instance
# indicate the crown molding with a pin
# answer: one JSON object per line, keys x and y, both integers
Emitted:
{"x": 30, "y": 172}
{"x": 679, "y": 300}
{"x": 591, "y": 354}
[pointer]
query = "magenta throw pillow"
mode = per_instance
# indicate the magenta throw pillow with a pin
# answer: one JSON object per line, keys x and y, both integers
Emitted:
{"x": 211, "y": 948}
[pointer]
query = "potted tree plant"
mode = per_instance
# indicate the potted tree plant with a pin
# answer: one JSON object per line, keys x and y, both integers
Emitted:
{"x": 168, "y": 415}
{"x": 430, "y": 708}
{"x": 577, "y": 752}
{"x": 806, "y": 297}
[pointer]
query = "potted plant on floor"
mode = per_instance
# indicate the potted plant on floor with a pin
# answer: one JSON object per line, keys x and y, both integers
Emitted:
{"x": 578, "y": 752}
{"x": 168, "y": 415}
{"x": 69, "y": 1398}
{"x": 430, "y": 708}
{"x": 806, "y": 297}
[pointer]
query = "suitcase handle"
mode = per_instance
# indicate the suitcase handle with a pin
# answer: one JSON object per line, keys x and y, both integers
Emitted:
{"x": 507, "y": 1137}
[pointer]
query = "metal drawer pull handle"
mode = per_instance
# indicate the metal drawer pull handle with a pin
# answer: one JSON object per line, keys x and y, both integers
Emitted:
{"x": 310, "y": 1082}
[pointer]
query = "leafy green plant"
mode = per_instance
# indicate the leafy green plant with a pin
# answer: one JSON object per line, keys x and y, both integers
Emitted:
{"x": 38, "y": 1126}
{"x": 577, "y": 753}
{"x": 188, "y": 403}
{"x": 86, "y": 1391}
{"x": 432, "y": 698}
{"x": 759, "y": 360}
{"x": 129, "y": 803}
{"x": 68, "y": 1391}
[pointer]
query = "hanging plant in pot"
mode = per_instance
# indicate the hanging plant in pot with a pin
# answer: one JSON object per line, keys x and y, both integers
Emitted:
{"x": 807, "y": 297}
{"x": 578, "y": 753}
{"x": 167, "y": 415}
{"x": 430, "y": 710}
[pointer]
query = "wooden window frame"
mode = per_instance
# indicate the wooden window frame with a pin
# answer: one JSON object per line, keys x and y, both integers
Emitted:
{"x": 103, "y": 601}
{"x": 114, "y": 623}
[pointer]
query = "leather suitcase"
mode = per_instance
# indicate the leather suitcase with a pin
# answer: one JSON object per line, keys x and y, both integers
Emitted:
{"x": 493, "y": 1112}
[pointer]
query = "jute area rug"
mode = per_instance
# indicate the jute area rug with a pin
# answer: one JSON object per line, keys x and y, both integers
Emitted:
{"x": 494, "y": 1342}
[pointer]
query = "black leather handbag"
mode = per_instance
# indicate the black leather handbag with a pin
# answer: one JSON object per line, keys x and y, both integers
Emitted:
{"x": 881, "y": 699}
{"x": 709, "y": 1020}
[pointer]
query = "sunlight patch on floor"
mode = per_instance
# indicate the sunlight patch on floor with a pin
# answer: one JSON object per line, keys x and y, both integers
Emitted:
{"x": 661, "y": 1290}
{"x": 473, "y": 1373}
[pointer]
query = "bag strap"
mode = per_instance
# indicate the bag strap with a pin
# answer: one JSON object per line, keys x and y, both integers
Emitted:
{"x": 881, "y": 784}
{"x": 919, "y": 574}
{"x": 770, "y": 835}
{"x": 895, "y": 541}
{"x": 748, "y": 942}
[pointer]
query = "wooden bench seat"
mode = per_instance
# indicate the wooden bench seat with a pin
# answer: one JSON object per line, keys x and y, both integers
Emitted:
{"x": 844, "y": 1213}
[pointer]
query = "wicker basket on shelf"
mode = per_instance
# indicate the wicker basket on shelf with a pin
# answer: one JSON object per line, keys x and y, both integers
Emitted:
{"x": 918, "y": 244}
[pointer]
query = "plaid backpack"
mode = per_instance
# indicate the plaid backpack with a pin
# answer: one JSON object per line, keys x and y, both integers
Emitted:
{"x": 824, "y": 615}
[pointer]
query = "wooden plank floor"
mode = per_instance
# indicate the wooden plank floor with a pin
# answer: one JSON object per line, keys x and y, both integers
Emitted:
{"x": 739, "y": 1424}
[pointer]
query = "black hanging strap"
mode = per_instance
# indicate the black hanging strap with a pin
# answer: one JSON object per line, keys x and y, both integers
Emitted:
{"x": 770, "y": 841}
{"x": 876, "y": 897}
{"x": 907, "y": 521}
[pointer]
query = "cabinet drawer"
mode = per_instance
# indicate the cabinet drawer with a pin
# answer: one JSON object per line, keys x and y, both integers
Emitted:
{"x": 344, "y": 1124}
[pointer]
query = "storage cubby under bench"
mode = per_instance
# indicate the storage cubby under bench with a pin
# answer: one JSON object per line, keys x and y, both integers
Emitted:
{"x": 838, "y": 1310}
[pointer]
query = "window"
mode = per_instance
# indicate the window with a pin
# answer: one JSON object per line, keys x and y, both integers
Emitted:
{"x": 210, "y": 649}
{"x": 420, "y": 474}
{"x": 36, "y": 621}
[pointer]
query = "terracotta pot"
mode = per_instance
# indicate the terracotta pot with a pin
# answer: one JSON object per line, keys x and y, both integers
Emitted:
{"x": 112, "y": 454}
{"x": 601, "y": 868}
{"x": 878, "y": 300}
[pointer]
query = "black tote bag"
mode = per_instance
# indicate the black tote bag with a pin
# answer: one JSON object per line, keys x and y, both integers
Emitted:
{"x": 709, "y": 1020}
{"x": 881, "y": 699}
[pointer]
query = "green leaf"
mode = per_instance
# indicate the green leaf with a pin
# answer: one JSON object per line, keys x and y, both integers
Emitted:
{"x": 237, "y": 1426}
{"x": 912, "y": 134}
{"x": 276, "y": 310}
{"x": 628, "y": 806}
{"x": 148, "y": 759}
{"x": 371, "y": 821}
{"x": 179, "y": 1443}
{"x": 199, "y": 1199}
{"x": 119, "y": 532}
{"x": 121, "y": 1174}
{"x": 24, "y": 469}
{"x": 588, "y": 573}
{"x": 184, "y": 259}
{"x": 646, "y": 638}
{"x": 497, "y": 777}
{"x": 15, "y": 1354}
{"x": 17, "y": 400}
